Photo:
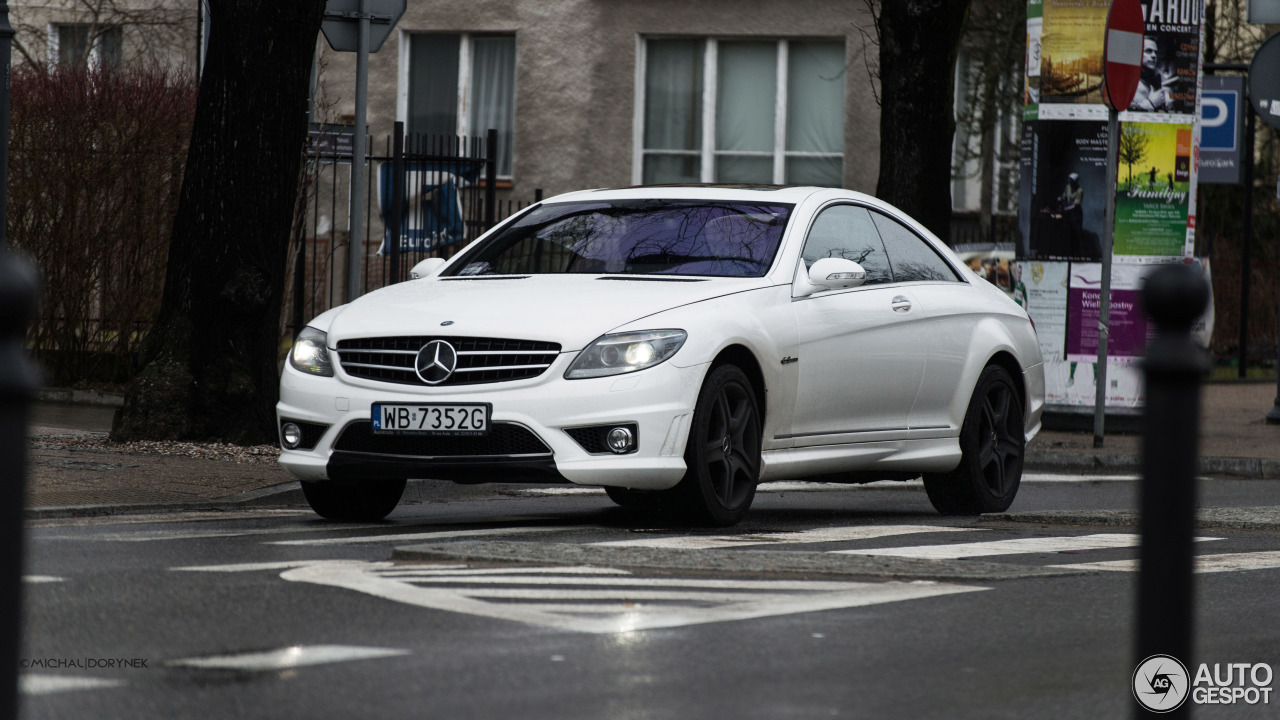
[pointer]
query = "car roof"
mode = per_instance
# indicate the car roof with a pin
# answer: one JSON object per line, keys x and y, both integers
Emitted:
{"x": 789, "y": 194}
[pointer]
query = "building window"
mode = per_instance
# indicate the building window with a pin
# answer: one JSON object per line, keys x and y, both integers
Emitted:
{"x": 93, "y": 46}
{"x": 463, "y": 85}
{"x": 986, "y": 147}
{"x": 746, "y": 111}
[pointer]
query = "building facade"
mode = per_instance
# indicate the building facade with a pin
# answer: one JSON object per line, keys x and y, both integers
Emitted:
{"x": 605, "y": 93}
{"x": 107, "y": 33}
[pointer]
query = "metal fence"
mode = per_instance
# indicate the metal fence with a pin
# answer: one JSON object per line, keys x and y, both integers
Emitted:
{"x": 428, "y": 197}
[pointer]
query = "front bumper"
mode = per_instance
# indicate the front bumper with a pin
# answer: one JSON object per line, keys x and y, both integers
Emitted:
{"x": 658, "y": 400}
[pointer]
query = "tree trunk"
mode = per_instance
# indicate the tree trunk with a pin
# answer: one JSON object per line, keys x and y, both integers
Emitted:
{"x": 918, "y": 46}
{"x": 211, "y": 357}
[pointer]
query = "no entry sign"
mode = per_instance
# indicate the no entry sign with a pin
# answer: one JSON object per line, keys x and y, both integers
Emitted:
{"x": 1123, "y": 53}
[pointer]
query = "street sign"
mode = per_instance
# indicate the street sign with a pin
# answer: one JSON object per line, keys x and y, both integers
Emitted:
{"x": 1264, "y": 81}
{"x": 1123, "y": 53}
{"x": 341, "y": 24}
{"x": 1220, "y": 129}
{"x": 331, "y": 139}
{"x": 1263, "y": 12}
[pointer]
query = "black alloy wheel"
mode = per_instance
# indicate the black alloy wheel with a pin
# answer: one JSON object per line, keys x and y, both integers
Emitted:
{"x": 723, "y": 452}
{"x": 365, "y": 501}
{"x": 992, "y": 444}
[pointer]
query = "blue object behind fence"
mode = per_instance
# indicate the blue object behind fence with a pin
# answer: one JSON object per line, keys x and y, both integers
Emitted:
{"x": 431, "y": 209}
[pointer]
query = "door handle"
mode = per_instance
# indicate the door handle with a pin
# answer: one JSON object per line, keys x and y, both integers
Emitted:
{"x": 901, "y": 304}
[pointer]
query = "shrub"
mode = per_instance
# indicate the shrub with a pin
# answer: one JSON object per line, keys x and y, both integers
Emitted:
{"x": 96, "y": 162}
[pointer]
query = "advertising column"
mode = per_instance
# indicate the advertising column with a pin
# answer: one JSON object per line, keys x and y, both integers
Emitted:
{"x": 1064, "y": 176}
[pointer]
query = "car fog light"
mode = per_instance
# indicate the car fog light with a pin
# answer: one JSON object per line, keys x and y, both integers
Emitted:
{"x": 291, "y": 434}
{"x": 621, "y": 440}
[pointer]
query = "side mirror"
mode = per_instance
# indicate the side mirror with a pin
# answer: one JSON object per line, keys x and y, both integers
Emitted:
{"x": 837, "y": 274}
{"x": 426, "y": 268}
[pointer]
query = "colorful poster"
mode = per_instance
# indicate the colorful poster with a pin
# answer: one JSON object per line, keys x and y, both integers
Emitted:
{"x": 1127, "y": 337}
{"x": 1031, "y": 88}
{"x": 1153, "y": 189}
{"x": 1170, "y": 57}
{"x": 1068, "y": 189}
{"x": 1042, "y": 287}
{"x": 1071, "y": 45}
{"x": 1126, "y": 340}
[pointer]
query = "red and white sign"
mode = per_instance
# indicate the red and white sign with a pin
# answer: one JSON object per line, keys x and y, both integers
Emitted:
{"x": 1123, "y": 53}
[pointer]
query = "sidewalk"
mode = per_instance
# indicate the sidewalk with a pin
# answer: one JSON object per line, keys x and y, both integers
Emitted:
{"x": 73, "y": 468}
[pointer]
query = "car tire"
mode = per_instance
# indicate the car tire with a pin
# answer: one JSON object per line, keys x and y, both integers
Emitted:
{"x": 723, "y": 452}
{"x": 368, "y": 501}
{"x": 992, "y": 445}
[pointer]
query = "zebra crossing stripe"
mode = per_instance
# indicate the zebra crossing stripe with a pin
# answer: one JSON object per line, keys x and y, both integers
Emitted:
{"x": 32, "y": 684}
{"x": 427, "y": 536}
{"x": 1225, "y": 562}
{"x": 1015, "y": 546}
{"x": 287, "y": 658}
{"x": 816, "y": 535}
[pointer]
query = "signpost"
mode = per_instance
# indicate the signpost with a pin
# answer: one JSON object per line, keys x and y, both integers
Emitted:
{"x": 1120, "y": 73}
{"x": 1220, "y": 130}
{"x": 359, "y": 26}
{"x": 1264, "y": 95}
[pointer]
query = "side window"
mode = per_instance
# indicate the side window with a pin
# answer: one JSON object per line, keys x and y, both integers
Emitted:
{"x": 847, "y": 231}
{"x": 911, "y": 257}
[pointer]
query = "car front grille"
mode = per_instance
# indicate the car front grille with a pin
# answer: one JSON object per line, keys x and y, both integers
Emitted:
{"x": 502, "y": 440}
{"x": 480, "y": 360}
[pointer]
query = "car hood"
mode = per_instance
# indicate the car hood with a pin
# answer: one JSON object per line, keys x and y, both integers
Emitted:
{"x": 571, "y": 310}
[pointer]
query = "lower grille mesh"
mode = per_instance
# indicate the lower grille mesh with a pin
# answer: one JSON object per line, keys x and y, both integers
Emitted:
{"x": 504, "y": 439}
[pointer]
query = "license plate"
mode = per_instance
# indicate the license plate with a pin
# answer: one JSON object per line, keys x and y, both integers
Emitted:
{"x": 448, "y": 419}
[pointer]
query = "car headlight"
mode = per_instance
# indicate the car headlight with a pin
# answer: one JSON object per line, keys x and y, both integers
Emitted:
{"x": 309, "y": 354}
{"x": 625, "y": 352}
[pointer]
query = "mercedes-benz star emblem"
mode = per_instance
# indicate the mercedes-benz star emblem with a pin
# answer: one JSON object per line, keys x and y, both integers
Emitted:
{"x": 436, "y": 362}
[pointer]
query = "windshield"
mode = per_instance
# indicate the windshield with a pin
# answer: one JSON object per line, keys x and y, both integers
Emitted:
{"x": 667, "y": 237}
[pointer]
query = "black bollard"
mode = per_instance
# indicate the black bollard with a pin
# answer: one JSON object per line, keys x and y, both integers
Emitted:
{"x": 18, "y": 383}
{"x": 1174, "y": 296}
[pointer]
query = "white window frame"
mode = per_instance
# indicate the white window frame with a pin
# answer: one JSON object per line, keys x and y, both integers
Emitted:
{"x": 710, "y": 74}
{"x": 966, "y": 187}
{"x": 94, "y": 59}
{"x": 464, "y": 82}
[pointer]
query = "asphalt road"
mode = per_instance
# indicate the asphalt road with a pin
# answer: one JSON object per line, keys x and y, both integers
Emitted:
{"x": 532, "y": 603}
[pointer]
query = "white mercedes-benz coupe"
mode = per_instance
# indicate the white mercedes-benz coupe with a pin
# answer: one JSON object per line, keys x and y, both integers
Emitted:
{"x": 677, "y": 346}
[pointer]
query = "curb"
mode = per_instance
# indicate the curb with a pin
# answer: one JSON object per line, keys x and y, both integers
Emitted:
{"x": 251, "y": 499}
{"x": 69, "y": 396}
{"x": 1256, "y": 468}
{"x": 289, "y": 494}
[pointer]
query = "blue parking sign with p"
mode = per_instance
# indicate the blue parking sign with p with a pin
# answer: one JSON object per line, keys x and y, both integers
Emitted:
{"x": 1220, "y": 130}
{"x": 1218, "y": 109}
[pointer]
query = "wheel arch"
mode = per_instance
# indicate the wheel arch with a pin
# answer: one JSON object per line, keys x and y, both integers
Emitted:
{"x": 745, "y": 360}
{"x": 1006, "y": 360}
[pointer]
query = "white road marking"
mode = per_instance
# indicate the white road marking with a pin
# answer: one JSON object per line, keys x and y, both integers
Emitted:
{"x": 287, "y": 658}
{"x": 454, "y": 571}
{"x": 1016, "y": 546}
{"x": 176, "y": 534}
{"x": 426, "y": 536}
{"x": 245, "y": 567}
{"x": 616, "y": 610}
{"x": 621, "y": 578}
{"x": 42, "y": 579}
{"x": 1225, "y": 562}
{"x": 29, "y": 684}
{"x": 816, "y": 535}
